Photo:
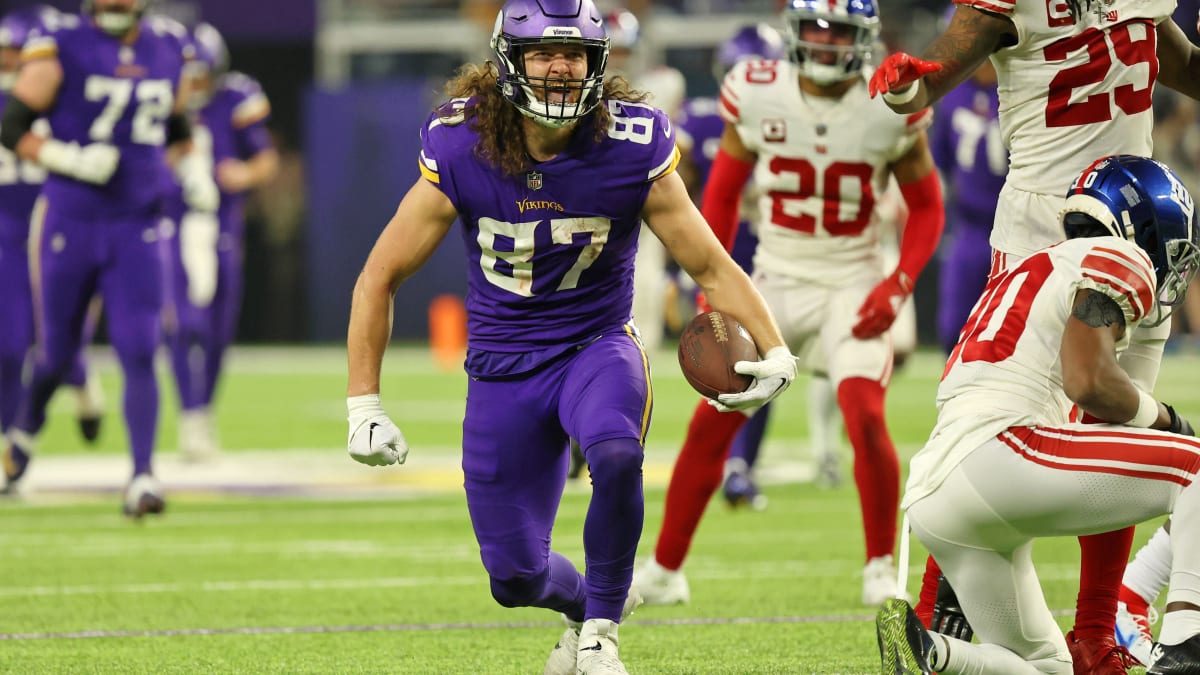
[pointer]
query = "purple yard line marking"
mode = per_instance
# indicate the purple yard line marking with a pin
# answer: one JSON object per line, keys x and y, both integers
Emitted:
{"x": 423, "y": 627}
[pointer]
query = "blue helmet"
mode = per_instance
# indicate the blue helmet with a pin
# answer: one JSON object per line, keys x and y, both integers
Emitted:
{"x": 829, "y": 63}
{"x": 525, "y": 23}
{"x": 758, "y": 40}
{"x": 1142, "y": 200}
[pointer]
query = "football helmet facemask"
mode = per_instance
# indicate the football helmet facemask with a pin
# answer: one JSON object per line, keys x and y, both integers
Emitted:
{"x": 523, "y": 24}
{"x": 1144, "y": 201}
{"x": 827, "y": 62}
{"x": 115, "y": 22}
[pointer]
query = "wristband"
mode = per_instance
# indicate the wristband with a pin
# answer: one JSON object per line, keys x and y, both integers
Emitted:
{"x": 902, "y": 97}
{"x": 1147, "y": 412}
{"x": 363, "y": 406}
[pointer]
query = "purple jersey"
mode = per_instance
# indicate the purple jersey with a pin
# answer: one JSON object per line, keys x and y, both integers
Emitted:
{"x": 20, "y": 182}
{"x": 701, "y": 123}
{"x": 117, "y": 94}
{"x": 550, "y": 251}
{"x": 236, "y": 122}
{"x": 969, "y": 151}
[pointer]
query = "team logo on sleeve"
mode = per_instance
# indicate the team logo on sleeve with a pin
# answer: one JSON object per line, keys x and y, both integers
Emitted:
{"x": 774, "y": 130}
{"x": 533, "y": 180}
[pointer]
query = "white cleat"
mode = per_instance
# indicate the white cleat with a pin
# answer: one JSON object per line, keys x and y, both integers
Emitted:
{"x": 197, "y": 436}
{"x": 144, "y": 495}
{"x": 565, "y": 655}
{"x": 661, "y": 586}
{"x": 598, "y": 649}
{"x": 879, "y": 581}
{"x": 1133, "y": 632}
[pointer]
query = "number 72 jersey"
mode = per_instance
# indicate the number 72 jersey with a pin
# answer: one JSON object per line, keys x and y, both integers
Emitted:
{"x": 1006, "y": 370}
{"x": 1073, "y": 91}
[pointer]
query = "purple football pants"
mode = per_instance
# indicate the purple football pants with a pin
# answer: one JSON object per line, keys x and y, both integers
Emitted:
{"x": 963, "y": 274}
{"x": 199, "y": 336}
{"x": 515, "y": 457}
{"x": 79, "y": 257}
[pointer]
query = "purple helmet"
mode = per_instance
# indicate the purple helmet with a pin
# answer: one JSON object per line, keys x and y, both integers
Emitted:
{"x": 858, "y": 18}
{"x": 525, "y": 23}
{"x": 210, "y": 48}
{"x": 115, "y": 23}
{"x": 16, "y": 26}
{"x": 759, "y": 41}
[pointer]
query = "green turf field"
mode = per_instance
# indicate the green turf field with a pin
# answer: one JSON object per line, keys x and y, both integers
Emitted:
{"x": 378, "y": 572}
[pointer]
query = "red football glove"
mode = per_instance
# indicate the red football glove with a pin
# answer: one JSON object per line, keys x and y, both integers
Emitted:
{"x": 899, "y": 70}
{"x": 879, "y": 310}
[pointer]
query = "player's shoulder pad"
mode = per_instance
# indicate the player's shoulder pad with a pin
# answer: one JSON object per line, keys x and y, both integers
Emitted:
{"x": 241, "y": 84}
{"x": 165, "y": 26}
{"x": 750, "y": 79}
{"x": 1122, "y": 271}
{"x": 250, "y": 103}
{"x": 44, "y": 38}
{"x": 444, "y": 135}
{"x": 1002, "y": 7}
{"x": 647, "y": 135}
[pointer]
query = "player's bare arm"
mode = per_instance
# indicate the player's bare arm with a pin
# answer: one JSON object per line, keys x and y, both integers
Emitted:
{"x": 414, "y": 232}
{"x": 1092, "y": 377}
{"x": 37, "y": 87}
{"x": 675, "y": 220}
{"x": 972, "y": 36}
{"x": 1178, "y": 60}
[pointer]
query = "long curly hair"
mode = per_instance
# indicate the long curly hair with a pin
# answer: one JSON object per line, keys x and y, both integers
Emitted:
{"x": 498, "y": 122}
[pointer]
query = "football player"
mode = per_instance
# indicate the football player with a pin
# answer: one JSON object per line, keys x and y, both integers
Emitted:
{"x": 108, "y": 86}
{"x": 1075, "y": 80}
{"x": 230, "y": 114}
{"x": 550, "y": 169}
{"x": 20, "y": 181}
{"x": 821, "y": 151}
{"x": 1005, "y": 464}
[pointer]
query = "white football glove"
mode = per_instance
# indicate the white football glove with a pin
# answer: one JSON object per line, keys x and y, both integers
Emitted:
{"x": 374, "y": 439}
{"x": 200, "y": 191}
{"x": 198, "y": 234}
{"x": 771, "y": 376}
{"x": 92, "y": 163}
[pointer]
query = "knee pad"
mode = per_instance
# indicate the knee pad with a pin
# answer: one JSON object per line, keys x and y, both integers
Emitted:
{"x": 519, "y": 591}
{"x": 615, "y": 459}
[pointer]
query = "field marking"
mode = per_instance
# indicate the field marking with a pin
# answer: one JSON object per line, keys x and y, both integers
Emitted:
{"x": 429, "y": 627}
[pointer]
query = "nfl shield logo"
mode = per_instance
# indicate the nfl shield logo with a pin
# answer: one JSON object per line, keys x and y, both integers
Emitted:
{"x": 533, "y": 180}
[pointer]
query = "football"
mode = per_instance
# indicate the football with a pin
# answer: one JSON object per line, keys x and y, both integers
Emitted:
{"x": 709, "y": 346}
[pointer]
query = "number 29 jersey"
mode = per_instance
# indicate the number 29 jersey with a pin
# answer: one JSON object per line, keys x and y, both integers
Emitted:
{"x": 550, "y": 251}
{"x": 821, "y": 164}
{"x": 1074, "y": 91}
{"x": 1006, "y": 369}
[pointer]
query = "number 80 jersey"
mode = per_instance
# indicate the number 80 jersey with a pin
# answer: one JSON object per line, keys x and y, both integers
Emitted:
{"x": 1074, "y": 91}
{"x": 1006, "y": 369}
{"x": 821, "y": 164}
{"x": 550, "y": 251}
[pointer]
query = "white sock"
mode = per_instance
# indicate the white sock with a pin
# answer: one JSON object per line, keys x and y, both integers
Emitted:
{"x": 1178, "y": 626}
{"x": 824, "y": 418}
{"x": 1149, "y": 571}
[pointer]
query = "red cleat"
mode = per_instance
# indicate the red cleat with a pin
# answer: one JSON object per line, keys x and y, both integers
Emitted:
{"x": 1099, "y": 656}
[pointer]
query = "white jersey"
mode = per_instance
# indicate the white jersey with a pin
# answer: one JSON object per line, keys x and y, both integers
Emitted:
{"x": 821, "y": 164}
{"x": 1005, "y": 370}
{"x": 1071, "y": 92}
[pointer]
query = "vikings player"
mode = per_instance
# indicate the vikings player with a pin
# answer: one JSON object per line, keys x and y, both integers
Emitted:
{"x": 1075, "y": 80}
{"x": 20, "y": 182}
{"x": 230, "y": 124}
{"x": 550, "y": 170}
{"x": 820, "y": 151}
{"x": 108, "y": 87}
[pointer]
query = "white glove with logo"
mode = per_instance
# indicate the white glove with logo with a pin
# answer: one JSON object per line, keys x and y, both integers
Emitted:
{"x": 773, "y": 374}
{"x": 195, "y": 174}
{"x": 198, "y": 233}
{"x": 374, "y": 439}
{"x": 92, "y": 163}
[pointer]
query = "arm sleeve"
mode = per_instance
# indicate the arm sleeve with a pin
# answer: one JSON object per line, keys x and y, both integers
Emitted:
{"x": 923, "y": 229}
{"x": 722, "y": 196}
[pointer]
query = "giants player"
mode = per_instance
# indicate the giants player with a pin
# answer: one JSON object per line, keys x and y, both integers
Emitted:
{"x": 820, "y": 150}
{"x": 1075, "y": 81}
{"x": 231, "y": 114}
{"x": 20, "y": 182}
{"x": 108, "y": 86}
{"x": 1005, "y": 464}
{"x": 550, "y": 170}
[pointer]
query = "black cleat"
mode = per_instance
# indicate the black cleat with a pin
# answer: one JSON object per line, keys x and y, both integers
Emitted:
{"x": 1180, "y": 659}
{"x": 904, "y": 644}
{"x": 89, "y": 428}
{"x": 16, "y": 462}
